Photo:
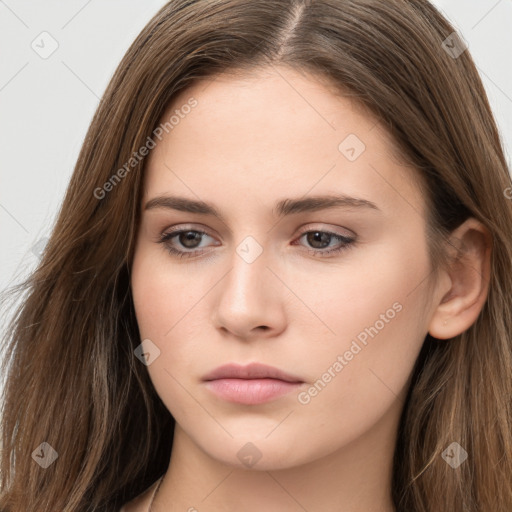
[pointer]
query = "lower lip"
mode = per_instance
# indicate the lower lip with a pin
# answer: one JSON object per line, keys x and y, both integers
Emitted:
{"x": 251, "y": 391}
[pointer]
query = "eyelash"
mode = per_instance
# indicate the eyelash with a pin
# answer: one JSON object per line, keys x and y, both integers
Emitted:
{"x": 347, "y": 243}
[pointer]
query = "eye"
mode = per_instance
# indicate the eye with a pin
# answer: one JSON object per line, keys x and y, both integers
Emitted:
{"x": 187, "y": 238}
{"x": 191, "y": 239}
{"x": 319, "y": 240}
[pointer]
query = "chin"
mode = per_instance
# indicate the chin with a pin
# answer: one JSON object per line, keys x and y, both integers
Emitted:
{"x": 257, "y": 453}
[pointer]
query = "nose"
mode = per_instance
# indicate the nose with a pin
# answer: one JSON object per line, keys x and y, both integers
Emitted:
{"x": 248, "y": 301}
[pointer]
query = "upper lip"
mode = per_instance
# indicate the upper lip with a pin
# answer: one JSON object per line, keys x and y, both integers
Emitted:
{"x": 250, "y": 371}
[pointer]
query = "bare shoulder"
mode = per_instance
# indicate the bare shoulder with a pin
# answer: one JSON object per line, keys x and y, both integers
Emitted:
{"x": 142, "y": 501}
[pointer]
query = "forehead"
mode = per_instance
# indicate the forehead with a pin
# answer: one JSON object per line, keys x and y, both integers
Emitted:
{"x": 276, "y": 130}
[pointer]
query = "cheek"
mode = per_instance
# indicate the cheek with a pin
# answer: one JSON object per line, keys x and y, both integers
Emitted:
{"x": 376, "y": 309}
{"x": 162, "y": 294}
{"x": 167, "y": 301}
{"x": 375, "y": 297}
{"x": 369, "y": 282}
{"x": 159, "y": 306}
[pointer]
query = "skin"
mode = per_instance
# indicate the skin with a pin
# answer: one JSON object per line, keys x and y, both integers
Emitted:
{"x": 251, "y": 141}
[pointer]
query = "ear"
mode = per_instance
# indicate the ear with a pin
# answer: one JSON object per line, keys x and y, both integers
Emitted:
{"x": 466, "y": 281}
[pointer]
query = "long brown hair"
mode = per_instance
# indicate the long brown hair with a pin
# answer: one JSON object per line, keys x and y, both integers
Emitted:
{"x": 71, "y": 378}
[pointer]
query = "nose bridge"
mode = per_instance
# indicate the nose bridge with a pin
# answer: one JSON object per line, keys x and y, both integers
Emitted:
{"x": 247, "y": 297}
{"x": 248, "y": 270}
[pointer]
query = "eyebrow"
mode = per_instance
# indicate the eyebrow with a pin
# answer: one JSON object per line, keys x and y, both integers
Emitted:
{"x": 282, "y": 208}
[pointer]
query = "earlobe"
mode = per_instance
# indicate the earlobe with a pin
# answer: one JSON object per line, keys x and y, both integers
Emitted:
{"x": 469, "y": 273}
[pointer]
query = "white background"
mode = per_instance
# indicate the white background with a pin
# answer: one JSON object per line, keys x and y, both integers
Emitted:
{"x": 46, "y": 105}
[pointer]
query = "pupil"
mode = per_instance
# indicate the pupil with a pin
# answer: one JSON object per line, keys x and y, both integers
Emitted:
{"x": 190, "y": 236}
{"x": 317, "y": 236}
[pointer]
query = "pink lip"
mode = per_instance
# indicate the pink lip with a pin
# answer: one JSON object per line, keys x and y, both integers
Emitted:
{"x": 251, "y": 384}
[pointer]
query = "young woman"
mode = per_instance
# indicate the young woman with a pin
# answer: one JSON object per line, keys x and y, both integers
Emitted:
{"x": 280, "y": 279}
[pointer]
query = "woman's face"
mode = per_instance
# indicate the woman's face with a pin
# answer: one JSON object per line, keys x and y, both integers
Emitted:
{"x": 330, "y": 291}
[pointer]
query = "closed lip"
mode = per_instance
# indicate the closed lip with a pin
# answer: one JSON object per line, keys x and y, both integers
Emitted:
{"x": 250, "y": 371}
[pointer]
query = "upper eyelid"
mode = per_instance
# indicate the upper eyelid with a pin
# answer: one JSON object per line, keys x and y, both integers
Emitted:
{"x": 303, "y": 230}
